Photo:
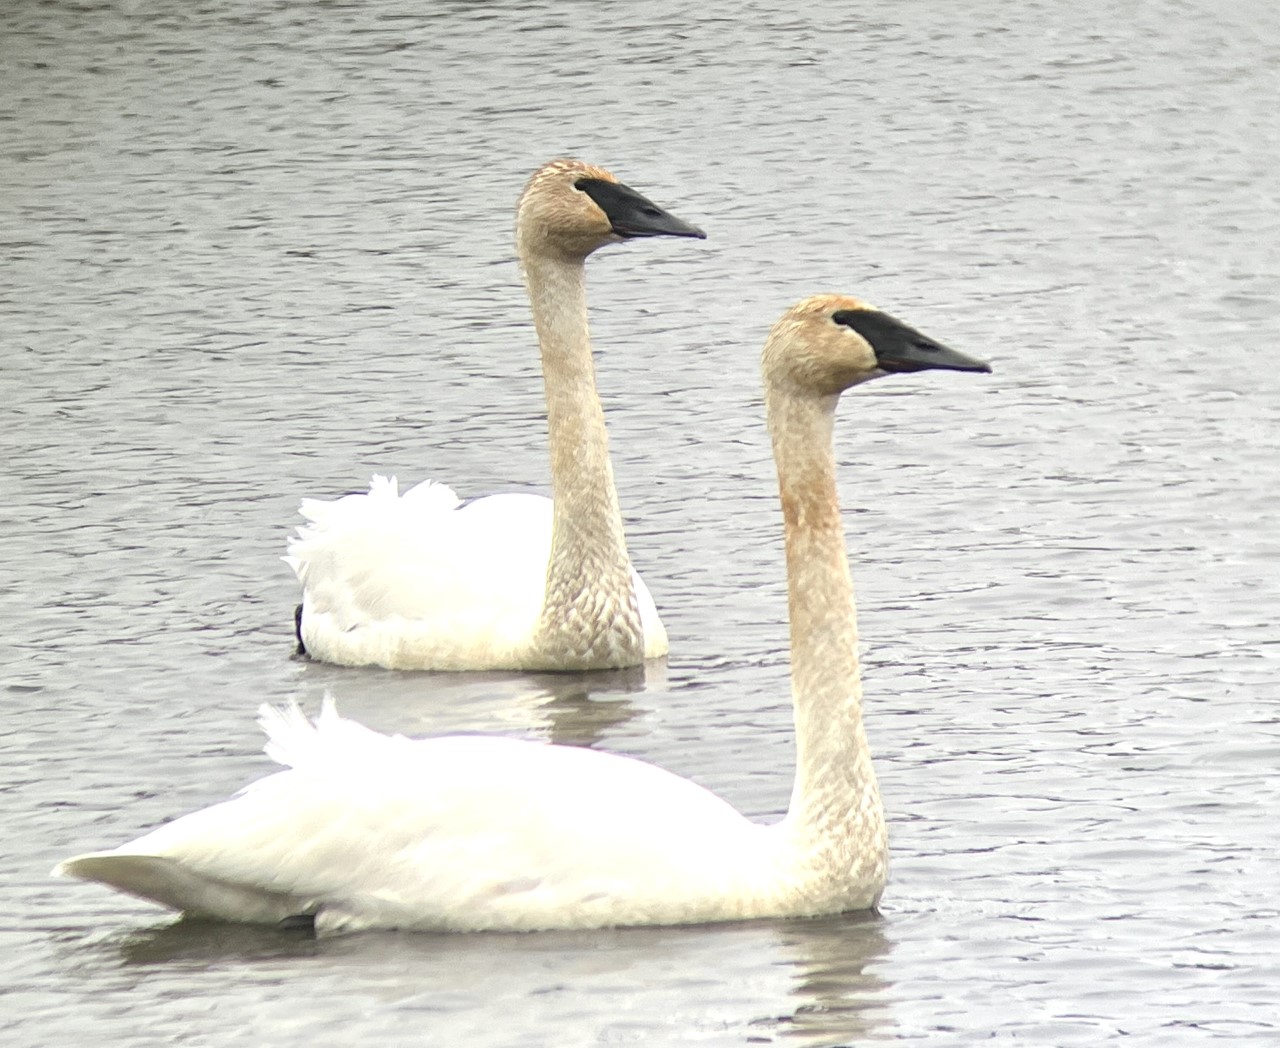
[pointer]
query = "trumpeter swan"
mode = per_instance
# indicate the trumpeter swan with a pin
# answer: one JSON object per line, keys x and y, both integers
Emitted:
{"x": 466, "y": 833}
{"x": 512, "y": 581}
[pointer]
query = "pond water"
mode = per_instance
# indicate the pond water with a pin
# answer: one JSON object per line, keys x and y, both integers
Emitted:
{"x": 260, "y": 250}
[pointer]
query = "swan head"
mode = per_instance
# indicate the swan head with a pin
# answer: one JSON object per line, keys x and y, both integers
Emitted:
{"x": 570, "y": 208}
{"x": 828, "y": 343}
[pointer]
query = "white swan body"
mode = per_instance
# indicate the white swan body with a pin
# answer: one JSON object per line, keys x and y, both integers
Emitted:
{"x": 518, "y": 581}
{"x": 423, "y": 580}
{"x": 472, "y": 833}
{"x": 457, "y": 833}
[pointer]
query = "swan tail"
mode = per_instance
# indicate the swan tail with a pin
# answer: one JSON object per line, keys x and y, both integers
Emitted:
{"x": 170, "y": 883}
{"x": 383, "y": 496}
{"x": 331, "y": 522}
{"x": 322, "y": 512}
{"x": 292, "y": 737}
{"x": 296, "y": 741}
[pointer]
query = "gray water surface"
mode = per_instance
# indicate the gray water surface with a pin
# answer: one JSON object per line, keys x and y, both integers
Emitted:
{"x": 256, "y": 251}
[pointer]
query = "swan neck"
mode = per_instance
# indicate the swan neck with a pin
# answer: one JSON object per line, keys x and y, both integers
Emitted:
{"x": 589, "y": 560}
{"x": 835, "y": 802}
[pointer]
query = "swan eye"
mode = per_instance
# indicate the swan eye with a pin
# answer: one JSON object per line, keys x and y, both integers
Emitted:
{"x": 843, "y": 317}
{"x": 580, "y": 185}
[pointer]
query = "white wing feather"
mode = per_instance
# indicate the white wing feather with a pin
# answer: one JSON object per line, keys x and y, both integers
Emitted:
{"x": 420, "y": 577}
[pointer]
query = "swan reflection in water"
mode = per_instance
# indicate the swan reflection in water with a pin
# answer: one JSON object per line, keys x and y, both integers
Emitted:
{"x": 576, "y": 709}
{"x": 802, "y": 982}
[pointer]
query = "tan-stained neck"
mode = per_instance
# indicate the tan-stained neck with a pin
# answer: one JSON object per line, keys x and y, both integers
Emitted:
{"x": 835, "y": 804}
{"x": 590, "y": 611}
